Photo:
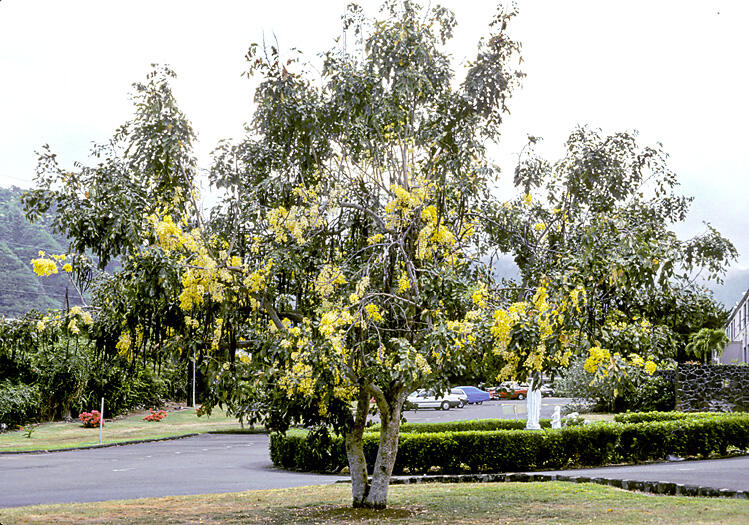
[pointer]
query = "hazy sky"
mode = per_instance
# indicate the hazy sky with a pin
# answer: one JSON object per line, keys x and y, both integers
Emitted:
{"x": 676, "y": 71}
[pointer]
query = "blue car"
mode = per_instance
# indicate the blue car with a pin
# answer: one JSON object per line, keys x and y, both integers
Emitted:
{"x": 475, "y": 395}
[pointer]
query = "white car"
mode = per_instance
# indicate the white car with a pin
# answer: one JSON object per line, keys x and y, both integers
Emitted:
{"x": 428, "y": 399}
{"x": 461, "y": 395}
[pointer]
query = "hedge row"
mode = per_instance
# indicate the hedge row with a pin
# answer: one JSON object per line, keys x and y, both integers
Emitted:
{"x": 463, "y": 426}
{"x": 519, "y": 450}
{"x": 641, "y": 417}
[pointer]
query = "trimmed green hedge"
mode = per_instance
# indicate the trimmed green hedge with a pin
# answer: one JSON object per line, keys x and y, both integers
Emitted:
{"x": 463, "y": 426}
{"x": 516, "y": 450}
{"x": 641, "y": 417}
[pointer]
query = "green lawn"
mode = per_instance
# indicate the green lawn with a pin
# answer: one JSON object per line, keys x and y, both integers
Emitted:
{"x": 51, "y": 436}
{"x": 527, "y": 503}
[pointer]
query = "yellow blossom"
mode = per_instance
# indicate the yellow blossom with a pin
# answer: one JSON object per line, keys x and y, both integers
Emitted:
{"x": 373, "y": 312}
{"x": 44, "y": 267}
{"x": 403, "y": 282}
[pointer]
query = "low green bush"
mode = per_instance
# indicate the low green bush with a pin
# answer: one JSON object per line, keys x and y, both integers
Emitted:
{"x": 641, "y": 417}
{"x": 464, "y": 426}
{"x": 19, "y": 403}
{"x": 507, "y": 450}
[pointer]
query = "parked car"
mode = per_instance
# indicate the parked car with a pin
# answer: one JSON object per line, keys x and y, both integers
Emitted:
{"x": 547, "y": 390}
{"x": 493, "y": 392}
{"x": 473, "y": 394}
{"x": 461, "y": 395}
{"x": 513, "y": 390}
{"x": 428, "y": 399}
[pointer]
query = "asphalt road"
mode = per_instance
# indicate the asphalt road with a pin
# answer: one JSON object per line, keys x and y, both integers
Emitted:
{"x": 213, "y": 463}
{"x": 208, "y": 463}
{"x": 729, "y": 473}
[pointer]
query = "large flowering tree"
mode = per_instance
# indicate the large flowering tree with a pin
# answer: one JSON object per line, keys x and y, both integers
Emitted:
{"x": 343, "y": 254}
{"x": 343, "y": 265}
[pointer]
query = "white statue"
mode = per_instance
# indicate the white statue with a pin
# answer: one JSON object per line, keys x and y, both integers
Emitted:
{"x": 556, "y": 418}
{"x": 533, "y": 402}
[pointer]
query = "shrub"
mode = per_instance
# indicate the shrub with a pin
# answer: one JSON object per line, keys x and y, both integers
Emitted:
{"x": 90, "y": 419}
{"x": 19, "y": 403}
{"x": 155, "y": 416}
{"x": 463, "y": 426}
{"x": 638, "y": 392}
{"x": 640, "y": 417}
{"x": 506, "y": 450}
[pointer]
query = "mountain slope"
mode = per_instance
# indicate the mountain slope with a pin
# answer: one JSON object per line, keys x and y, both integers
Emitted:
{"x": 20, "y": 241}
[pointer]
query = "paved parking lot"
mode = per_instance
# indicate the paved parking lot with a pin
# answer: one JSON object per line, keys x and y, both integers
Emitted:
{"x": 502, "y": 409}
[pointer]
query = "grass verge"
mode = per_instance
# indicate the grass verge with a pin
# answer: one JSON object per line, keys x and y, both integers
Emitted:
{"x": 53, "y": 436}
{"x": 528, "y": 503}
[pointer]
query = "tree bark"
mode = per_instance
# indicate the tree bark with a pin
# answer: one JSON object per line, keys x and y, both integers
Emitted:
{"x": 357, "y": 462}
{"x": 390, "y": 417}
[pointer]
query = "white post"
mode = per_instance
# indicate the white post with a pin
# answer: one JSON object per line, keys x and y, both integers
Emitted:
{"x": 101, "y": 420}
{"x": 533, "y": 402}
{"x": 194, "y": 362}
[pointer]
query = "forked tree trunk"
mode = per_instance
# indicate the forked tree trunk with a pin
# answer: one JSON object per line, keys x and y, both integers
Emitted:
{"x": 386, "y": 453}
{"x": 363, "y": 493}
{"x": 355, "y": 451}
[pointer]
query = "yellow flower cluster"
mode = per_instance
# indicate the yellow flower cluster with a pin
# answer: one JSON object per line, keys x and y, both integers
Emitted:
{"x": 404, "y": 283}
{"x": 74, "y": 316}
{"x": 257, "y": 281}
{"x": 170, "y": 236}
{"x": 463, "y": 333}
{"x": 296, "y": 222}
{"x": 326, "y": 281}
{"x": 480, "y": 296}
{"x": 206, "y": 278}
{"x": 597, "y": 357}
{"x": 44, "y": 267}
{"x": 434, "y": 235}
{"x": 373, "y": 312}
{"x": 545, "y": 316}
{"x": 504, "y": 321}
{"x": 374, "y": 239}
{"x": 125, "y": 344}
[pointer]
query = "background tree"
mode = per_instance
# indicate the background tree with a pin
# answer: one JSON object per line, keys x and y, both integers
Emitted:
{"x": 707, "y": 343}
{"x": 600, "y": 218}
{"x": 103, "y": 210}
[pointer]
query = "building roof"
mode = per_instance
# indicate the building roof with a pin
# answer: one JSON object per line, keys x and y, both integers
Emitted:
{"x": 736, "y": 308}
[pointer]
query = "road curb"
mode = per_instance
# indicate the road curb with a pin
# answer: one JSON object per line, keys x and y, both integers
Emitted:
{"x": 653, "y": 487}
{"x": 103, "y": 445}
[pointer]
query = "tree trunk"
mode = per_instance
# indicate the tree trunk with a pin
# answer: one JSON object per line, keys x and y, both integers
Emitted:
{"x": 388, "y": 449}
{"x": 357, "y": 462}
{"x": 190, "y": 364}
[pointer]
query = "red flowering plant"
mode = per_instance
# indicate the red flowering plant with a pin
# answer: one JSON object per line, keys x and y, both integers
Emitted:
{"x": 90, "y": 419}
{"x": 155, "y": 416}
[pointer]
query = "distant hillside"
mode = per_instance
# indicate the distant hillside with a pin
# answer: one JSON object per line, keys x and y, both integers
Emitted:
{"x": 21, "y": 289}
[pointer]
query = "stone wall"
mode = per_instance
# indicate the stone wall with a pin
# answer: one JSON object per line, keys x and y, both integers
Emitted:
{"x": 713, "y": 388}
